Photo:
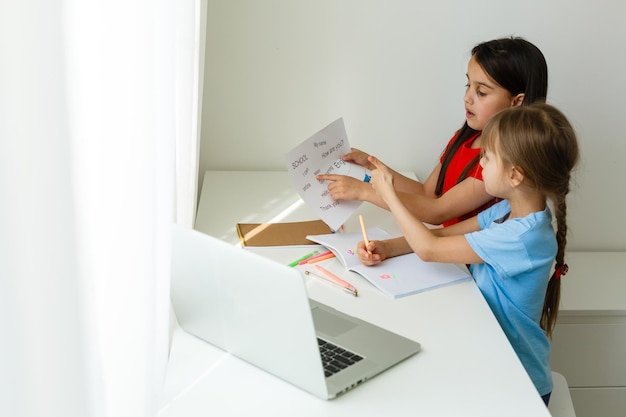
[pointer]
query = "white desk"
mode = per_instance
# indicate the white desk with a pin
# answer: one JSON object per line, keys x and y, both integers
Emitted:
{"x": 466, "y": 368}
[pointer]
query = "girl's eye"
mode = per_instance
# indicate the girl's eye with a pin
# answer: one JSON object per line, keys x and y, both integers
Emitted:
{"x": 479, "y": 92}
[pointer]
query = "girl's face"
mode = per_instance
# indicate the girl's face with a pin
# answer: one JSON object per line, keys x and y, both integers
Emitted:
{"x": 494, "y": 174}
{"x": 484, "y": 97}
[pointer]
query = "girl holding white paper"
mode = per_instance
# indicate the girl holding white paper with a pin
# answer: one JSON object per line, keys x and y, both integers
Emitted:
{"x": 501, "y": 73}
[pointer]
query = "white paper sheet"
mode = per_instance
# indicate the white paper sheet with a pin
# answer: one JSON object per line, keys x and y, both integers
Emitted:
{"x": 321, "y": 154}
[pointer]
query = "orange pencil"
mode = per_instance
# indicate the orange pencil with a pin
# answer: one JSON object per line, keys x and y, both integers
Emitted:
{"x": 320, "y": 258}
{"x": 304, "y": 261}
{"x": 334, "y": 278}
{"x": 365, "y": 239}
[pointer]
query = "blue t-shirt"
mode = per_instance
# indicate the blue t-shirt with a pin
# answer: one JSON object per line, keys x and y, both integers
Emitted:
{"x": 518, "y": 256}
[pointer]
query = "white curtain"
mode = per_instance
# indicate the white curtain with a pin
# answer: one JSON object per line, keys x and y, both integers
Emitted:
{"x": 190, "y": 41}
{"x": 90, "y": 123}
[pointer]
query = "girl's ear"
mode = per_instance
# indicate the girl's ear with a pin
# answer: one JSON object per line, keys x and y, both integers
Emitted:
{"x": 518, "y": 100}
{"x": 516, "y": 177}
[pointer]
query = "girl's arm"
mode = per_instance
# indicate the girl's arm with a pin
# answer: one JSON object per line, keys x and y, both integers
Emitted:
{"x": 463, "y": 198}
{"x": 343, "y": 187}
{"x": 379, "y": 250}
{"x": 419, "y": 198}
{"x": 401, "y": 182}
{"x": 441, "y": 245}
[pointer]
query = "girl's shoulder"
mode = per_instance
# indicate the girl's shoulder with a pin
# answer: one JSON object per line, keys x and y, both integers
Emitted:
{"x": 463, "y": 136}
{"x": 497, "y": 211}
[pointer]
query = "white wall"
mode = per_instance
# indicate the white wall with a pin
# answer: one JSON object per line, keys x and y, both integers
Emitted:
{"x": 278, "y": 71}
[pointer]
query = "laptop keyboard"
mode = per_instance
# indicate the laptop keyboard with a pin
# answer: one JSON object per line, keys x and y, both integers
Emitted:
{"x": 334, "y": 358}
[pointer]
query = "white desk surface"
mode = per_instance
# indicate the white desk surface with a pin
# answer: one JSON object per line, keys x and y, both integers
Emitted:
{"x": 466, "y": 367}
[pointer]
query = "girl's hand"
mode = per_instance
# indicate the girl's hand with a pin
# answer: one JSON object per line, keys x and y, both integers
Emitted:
{"x": 377, "y": 252}
{"x": 358, "y": 157}
{"x": 343, "y": 187}
{"x": 382, "y": 179}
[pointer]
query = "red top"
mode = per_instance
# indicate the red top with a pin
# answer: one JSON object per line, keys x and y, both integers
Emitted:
{"x": 463, "y": 156}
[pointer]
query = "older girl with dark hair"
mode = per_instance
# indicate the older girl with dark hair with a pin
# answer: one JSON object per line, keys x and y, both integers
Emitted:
{"x": 501, "y": 73}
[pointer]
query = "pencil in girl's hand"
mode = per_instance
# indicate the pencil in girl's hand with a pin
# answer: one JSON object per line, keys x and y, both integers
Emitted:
{"x": 365, "y": 239}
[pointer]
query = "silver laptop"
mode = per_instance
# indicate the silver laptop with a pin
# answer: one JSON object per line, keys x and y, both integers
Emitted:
{"x": 194, "y": 288}
{"x": 259, "y": 310}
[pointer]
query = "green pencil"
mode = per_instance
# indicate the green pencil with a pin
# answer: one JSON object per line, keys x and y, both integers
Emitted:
{"x": 308, "y": 255}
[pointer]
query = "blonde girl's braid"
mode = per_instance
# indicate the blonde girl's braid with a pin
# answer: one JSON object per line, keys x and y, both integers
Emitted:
{"x": 553, "y": 293}
{"x": 562, "y": 160}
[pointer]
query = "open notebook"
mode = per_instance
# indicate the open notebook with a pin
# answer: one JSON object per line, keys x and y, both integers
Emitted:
{"x": 397, "y": 277}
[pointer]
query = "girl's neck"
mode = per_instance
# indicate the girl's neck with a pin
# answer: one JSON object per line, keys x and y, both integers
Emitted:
{"x": 523, "y": 204}
{"x": 476, "y": 142}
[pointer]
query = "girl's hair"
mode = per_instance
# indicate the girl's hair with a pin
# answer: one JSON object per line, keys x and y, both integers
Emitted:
{"x": 516, "y": 65}
{"x": 540, "y": 142}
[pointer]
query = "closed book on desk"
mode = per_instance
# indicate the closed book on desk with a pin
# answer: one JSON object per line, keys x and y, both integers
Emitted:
{"x": 280, "y": 234}
{"x": 396, "y": 277}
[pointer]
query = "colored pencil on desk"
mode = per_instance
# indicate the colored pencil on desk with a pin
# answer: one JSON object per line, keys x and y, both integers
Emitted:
{"x": 306, "y": 261}
{"x": 348, "y": 288}
{"x": 320, "y": 258}
{"x": 335, "y": 279}
{"x": 302, "y": 258}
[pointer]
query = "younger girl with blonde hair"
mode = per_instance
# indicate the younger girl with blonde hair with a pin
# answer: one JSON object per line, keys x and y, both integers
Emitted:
{"x": 528, "y": 154}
